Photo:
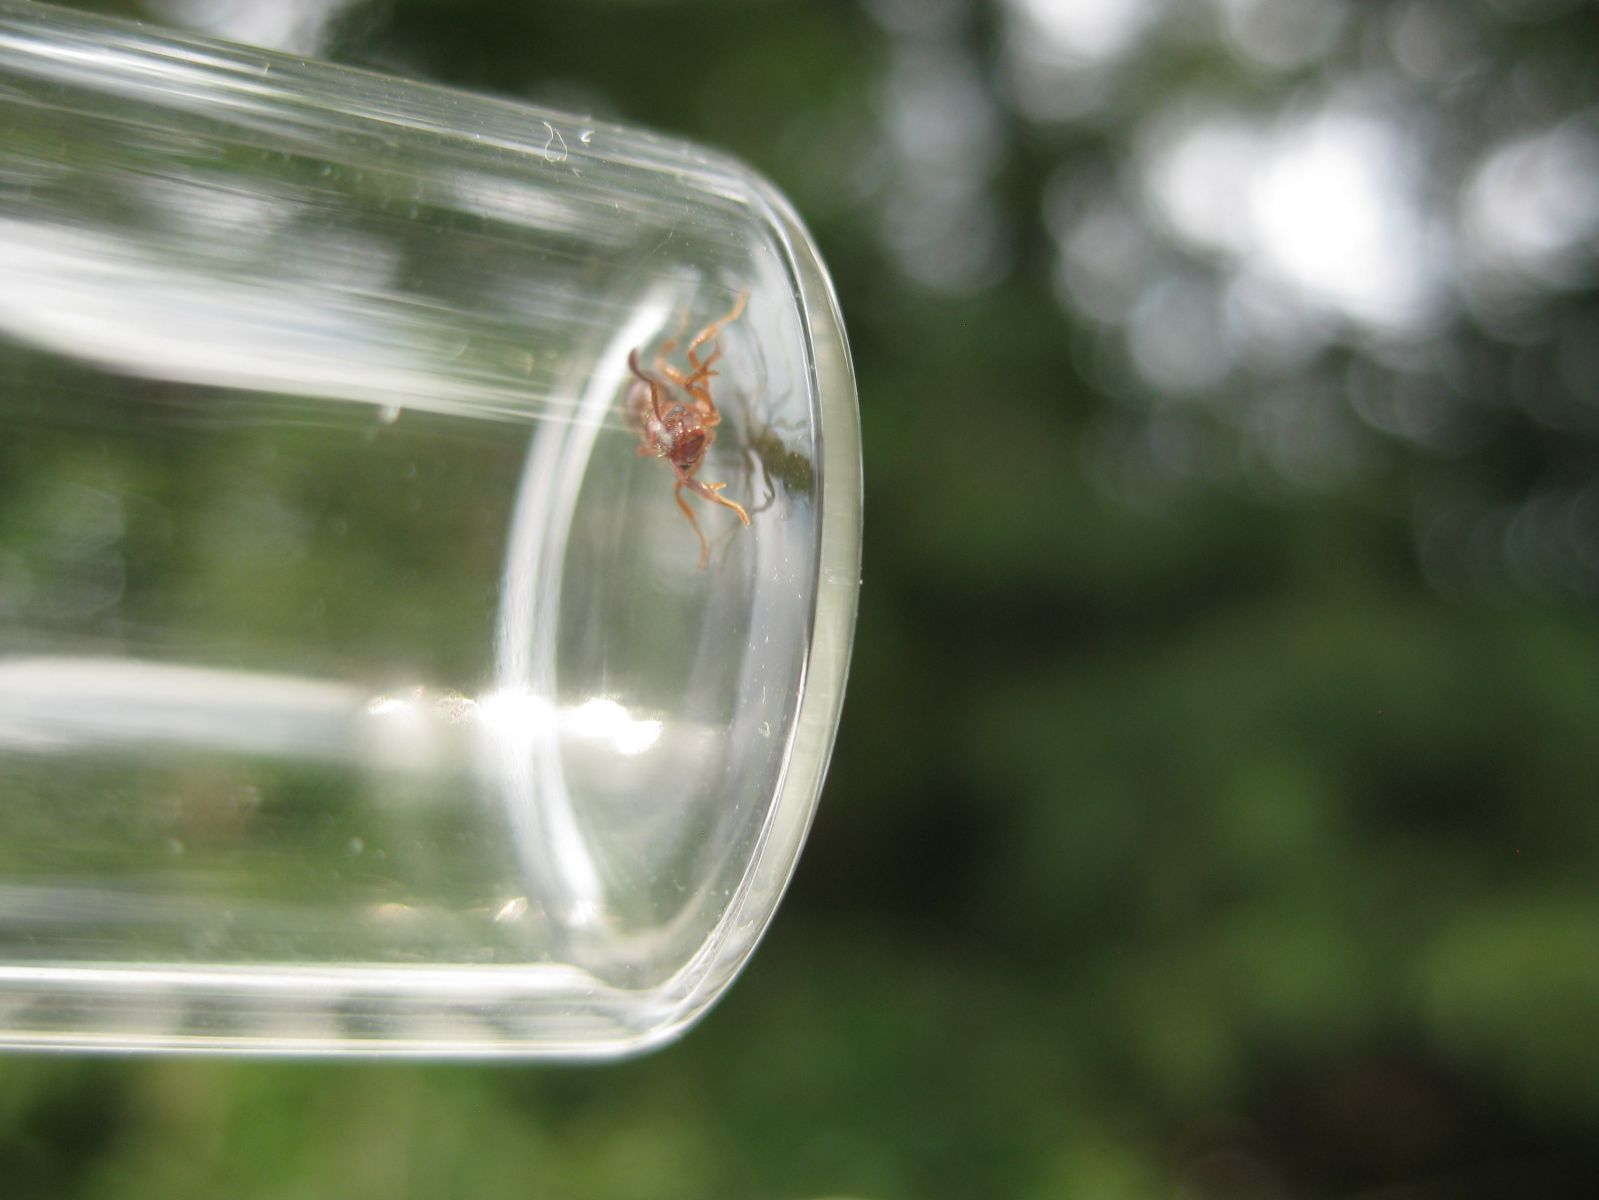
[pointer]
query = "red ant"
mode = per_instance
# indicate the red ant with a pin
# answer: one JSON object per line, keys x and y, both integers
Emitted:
{"x": 679, "y": 432}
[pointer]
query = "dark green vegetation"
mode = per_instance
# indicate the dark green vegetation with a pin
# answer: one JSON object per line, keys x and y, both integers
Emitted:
{"x": 1216, "y": 811}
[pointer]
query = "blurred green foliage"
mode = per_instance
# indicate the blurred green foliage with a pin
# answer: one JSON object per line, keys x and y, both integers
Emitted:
{"x": 1192, "y": 837}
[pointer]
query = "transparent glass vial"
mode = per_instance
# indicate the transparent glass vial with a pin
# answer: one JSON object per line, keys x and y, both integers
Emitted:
{"x": 385, "y": 667}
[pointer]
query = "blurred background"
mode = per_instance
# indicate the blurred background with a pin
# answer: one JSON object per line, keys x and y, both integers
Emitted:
{"x": 1214, "y": 813}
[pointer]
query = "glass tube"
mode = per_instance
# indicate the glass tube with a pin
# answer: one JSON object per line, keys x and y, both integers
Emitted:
{"x": 429, "y": 539}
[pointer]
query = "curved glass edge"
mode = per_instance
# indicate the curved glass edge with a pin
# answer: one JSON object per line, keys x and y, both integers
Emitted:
{"x": 832, "y": 377}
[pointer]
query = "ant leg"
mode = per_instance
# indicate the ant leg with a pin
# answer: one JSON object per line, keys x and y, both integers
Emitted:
{"x": 703, "y": 369}
{"x": 632, "y": 365}
{"x": 705, "y": 547}
{"x": 698, "y": 384}
{"x": 712, "y": 492}
{"x": 692, "y": 384}
{"x": 714, "y": 328}
{"x": 696, "y": 381}
{"x": 702, "y": 374}
{"x": 650, "y": 381}
{"x": 671, "y": 372}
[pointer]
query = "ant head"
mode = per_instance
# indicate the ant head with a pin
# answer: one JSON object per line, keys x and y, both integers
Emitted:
{"x": 688, "y": 451}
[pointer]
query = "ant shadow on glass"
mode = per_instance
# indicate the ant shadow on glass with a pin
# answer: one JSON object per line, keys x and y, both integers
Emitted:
{"x": 763, "y": 446}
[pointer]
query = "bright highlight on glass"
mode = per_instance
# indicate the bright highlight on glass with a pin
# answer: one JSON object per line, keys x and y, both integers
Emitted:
{"x": 385, "y": 665}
